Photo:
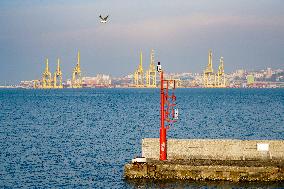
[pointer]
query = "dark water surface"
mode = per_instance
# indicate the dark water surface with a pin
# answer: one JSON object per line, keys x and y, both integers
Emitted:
{"x": 82, "y": 138}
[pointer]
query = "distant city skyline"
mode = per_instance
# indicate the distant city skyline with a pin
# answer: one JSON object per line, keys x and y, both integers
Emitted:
{"x": 248, "y": 34}
{"x": 267, "y": 78}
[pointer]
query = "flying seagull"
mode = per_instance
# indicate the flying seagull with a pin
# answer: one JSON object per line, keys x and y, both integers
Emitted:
{"x": 103, "y": 20}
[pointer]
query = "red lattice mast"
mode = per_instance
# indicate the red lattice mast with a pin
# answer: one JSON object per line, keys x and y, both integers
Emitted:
{"x": 169, "y": 114}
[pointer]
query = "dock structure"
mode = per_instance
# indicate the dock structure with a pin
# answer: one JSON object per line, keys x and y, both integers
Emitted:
{"x": 220, "y": 79}
{"x": 151, "y": 75}
{"x": 208, "y": 75}
{"x": 138, "y": 74}
{"x": 145, "y": 78}
{"x": 211, "y": 159}
{"x": 76, "y": 75}
{"x": 46, "y": 77}
{"x": 55, "y": 82}
{"x": 212, "y": 80}
{"x": 57, "y": 79}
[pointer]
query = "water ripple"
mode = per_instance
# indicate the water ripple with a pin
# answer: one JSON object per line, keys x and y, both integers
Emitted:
{"x": 82, "y": 138}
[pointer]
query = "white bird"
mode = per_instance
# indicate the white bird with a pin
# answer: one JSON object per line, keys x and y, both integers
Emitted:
{"x": 103, "y": 20}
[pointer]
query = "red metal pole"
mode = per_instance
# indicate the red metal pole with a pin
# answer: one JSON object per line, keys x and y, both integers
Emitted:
{"x": 163, "y": 132}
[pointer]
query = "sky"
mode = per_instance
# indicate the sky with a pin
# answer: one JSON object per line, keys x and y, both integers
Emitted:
{"x": 248, "y": 34}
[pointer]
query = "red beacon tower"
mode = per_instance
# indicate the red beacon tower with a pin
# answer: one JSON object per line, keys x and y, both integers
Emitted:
{"x": 169, "y": 114}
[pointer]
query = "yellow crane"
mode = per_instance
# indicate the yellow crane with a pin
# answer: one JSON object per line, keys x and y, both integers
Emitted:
{"x": 57, "y": 79}
{"x": 76, "y": 75}
{"x": 208, "y": 75}
{"x": 214, "y": 80}
{"x": 46, "y": 77}
{"x": 151, "y": 73}
{"x": 36, "y": 84}
{"x": 138, "y": 74}
{"x": 221, "y": 80}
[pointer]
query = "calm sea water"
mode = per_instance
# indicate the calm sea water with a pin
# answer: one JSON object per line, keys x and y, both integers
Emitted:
{"x": 82, "y": 138}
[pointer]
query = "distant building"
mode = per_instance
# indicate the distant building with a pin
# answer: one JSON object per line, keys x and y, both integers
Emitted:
{"x": 68, "y": 83}
{"x": 258, "y": 75}
{"x": 239, "y": 73}
{"x": 250, "y": 79}
{"x": 269, "y": 73}
{"x": 123, "y": 82}
{"x": 27, "y": 84}
{"x": 100, "y": 80}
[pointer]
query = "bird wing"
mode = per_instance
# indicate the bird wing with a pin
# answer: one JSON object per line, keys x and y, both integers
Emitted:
{"x": 106, "y": 17}
{"x": 101, "y": 17}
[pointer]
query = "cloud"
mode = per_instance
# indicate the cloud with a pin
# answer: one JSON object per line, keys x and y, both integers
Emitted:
{"x": 177, "y": 27}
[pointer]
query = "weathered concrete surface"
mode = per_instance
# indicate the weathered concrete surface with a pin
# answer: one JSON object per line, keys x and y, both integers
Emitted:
{"x": 214, "y": 149}
{"x": 237, "y": 170}
{"x": 232, "y": 160}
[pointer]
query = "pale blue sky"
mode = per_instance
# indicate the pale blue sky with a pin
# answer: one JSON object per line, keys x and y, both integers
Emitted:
{"x": 248, "y": 34}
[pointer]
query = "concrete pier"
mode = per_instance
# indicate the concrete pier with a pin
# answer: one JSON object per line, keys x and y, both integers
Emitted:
{"x": 232, "y": 160}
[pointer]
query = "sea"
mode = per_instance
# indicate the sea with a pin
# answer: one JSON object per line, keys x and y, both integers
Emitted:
{"x": 82, "y": 138}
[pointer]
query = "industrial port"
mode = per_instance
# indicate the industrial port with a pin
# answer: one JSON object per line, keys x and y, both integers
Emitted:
{"x": 148, "y": 94}
{"x": 151, "y": 76}
{"x": 210, "y": 79}
{"x": 55, "y": 82}
{"x": 147, "y": 78}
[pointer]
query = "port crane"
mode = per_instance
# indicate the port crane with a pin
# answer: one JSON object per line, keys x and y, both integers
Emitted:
{"x": 76, "y": 75}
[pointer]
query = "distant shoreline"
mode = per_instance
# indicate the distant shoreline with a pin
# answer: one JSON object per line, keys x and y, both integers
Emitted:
{"x": 19, "y": 87}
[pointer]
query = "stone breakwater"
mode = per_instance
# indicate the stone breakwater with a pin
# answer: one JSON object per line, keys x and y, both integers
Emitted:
{"x": 232, "y": 160}
{"x": 221, "y": 149}
{"x": 236, "y": 170}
